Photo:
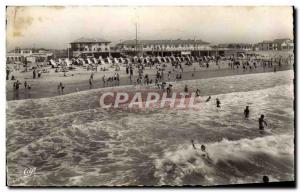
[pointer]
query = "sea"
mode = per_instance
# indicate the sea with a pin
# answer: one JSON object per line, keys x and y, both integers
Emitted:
{"x": 69, "y": 140}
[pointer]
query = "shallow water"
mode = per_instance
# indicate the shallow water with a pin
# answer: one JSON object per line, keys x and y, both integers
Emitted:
{"x": 71, "y": 141}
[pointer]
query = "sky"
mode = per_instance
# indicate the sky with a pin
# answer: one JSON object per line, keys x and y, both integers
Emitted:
{"x": 55, "y": 27}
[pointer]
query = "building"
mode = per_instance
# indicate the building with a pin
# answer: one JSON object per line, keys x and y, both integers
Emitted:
{"x": 275, "y": 45}
{"x": 241, "y": 46}
{"x": 32, "y": 55}
{"x": 60, "y": 53}
{"x": 165, "y": 47}
{"x": 266, "y": 46}
{"x": 283, "y": 44}
{"x": 87, "y": 47}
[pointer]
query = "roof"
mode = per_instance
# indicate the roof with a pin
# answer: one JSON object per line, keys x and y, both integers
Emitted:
{"x": 281, "y": 40}
{"x": 90, "y": 40}
{"x": 235, "y": 44}
{"x": 178, "y": 41}
{"x": 267, "y": 42}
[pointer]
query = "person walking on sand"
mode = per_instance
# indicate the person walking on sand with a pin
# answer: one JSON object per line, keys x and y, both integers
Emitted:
{"x": 262, "y": 123}
{"x": 25, "y": 84}
{"x": 103, "y": 80}
{"x": 92, "y": 76}
{"x": 17, "y": 85}
{"x": 186, "y": 90}
{"x": 91, "y": 82}
{"x": 33, "y": 74}
{"x": 60, "y": 87}
{"x": 197, "y": 92}
{"x": 7, "y": 73}
{"x": 39, "y": 74}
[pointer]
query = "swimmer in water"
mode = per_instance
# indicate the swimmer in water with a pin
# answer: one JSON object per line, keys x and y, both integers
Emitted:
{"x": 193, "y": 144}
{"x": 265, "y": 179}
{"x": 205, "y": 153}
{"x": 203, "y": 148}
{"x": 262, "y": 122}
{"x": 246, "y": 112}
{"x": 208, "y": 99}
{"x": 218, "y": 103}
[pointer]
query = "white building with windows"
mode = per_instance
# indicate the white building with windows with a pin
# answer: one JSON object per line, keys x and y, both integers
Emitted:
{"x": 163, "y": 47}
{"x": 89, "y": 47}
{"x": 19, "y": 55}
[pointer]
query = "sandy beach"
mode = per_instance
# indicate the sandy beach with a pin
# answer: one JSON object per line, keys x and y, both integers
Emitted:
{"x": 78, "y": 79}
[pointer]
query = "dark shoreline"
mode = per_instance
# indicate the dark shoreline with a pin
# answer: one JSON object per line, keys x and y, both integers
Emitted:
{"x": 45, "y": 91}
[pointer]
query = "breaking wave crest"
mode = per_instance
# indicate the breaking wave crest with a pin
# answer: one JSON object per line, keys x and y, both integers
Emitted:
{"x": 228, "y": 162}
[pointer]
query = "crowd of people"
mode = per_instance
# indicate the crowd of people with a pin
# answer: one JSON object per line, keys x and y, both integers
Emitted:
{"x": 164, "y": 69}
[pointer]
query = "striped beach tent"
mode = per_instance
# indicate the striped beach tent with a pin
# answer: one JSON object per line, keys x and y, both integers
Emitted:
{"x": 102, "y": 61}
{"x": 82, "y": 61}
{"x": 89, "y": 61}
{"x": 53, "y": 63}
{"x": 158, "y": 59}
{"x": 60, "y": 61}
{"x": 109, "y": 61}
{"x": 68, "y": 62}
{"x": 95, "y": 60}
{"x": 116, "y": 60}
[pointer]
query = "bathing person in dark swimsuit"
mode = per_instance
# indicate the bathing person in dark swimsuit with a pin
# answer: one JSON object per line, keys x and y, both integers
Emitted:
{"x": 193, "y": 144}
{"x": 208, "y": 99}
{"x": 246, "y": 112}
{"x": 218, "y": 103}
{"x": 262, "y": 122}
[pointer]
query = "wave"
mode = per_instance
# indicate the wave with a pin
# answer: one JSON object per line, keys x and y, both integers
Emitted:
{"x": 228, "y": 162}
